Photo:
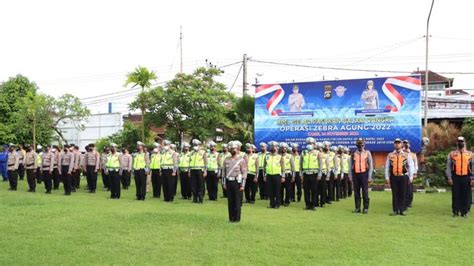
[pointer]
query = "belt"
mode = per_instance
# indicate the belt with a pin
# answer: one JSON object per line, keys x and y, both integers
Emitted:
{"x": 28, "y": 165}
{"x": 231, "y": 178}
{"x": 113, "y": 169}
{"x": 11, "y": 164}
{"x": 288, "y": 172}
{"x": 63, "y": 165}
{"x": 167, "y": 167}
{"x": 310, "y": 172}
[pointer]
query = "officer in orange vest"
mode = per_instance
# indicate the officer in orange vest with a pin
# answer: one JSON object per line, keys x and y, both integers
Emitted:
{"x": 361, "y": 167}
{"x": 399, "y": 170}
{"x": 459, "y": 171}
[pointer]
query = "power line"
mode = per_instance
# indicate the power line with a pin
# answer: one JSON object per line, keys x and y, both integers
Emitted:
{"x": 236, "y": 77}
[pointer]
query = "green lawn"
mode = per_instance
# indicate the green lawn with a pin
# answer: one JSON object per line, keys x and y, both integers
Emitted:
{"x": 91, "y": 229}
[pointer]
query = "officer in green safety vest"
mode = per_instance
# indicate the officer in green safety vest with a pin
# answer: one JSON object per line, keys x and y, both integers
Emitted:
{"x": 39, "y": 153}
{"x": 346, "y": 184}
{"x": 141, "y": 164}
{"x": 324, "y": 174}
{"x": 289, "y": 175}
{"x": 337, "y": 172}
{"x": 184, "y": 161}
{"x": 296, "y": 191}
{"x": 310, "y": 168}
{"x": 331, "y": 194}
{"x": 174, "y": 177}
{"x": 262, "y": 187}
{"x": 198, "y": 171}
{"x": 251, "y": 159}
{"x": 169, "y": 168}
{"x": 155, "y": 167}
{"x": 112, "y": 167}
{"x": 212, "y": 180}
{"x": 222, "y": 156}
{"x": 274, "y": 166}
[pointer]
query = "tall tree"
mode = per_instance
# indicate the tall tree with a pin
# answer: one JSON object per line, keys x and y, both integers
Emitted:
{"x": 141, "y": 77}
{"x": 68, "y": 108}
{"x": 242, "y": 119}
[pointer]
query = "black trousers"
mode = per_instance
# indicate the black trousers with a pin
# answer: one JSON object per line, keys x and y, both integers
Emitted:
{"x": 168, "y": 184}
{"x": 262, "y": 186}
{"x": 274, "y": 190}
{"x": 92, "y": 178}
{"x": 233, "y": 200}
{"x": 67, "y": 179}
{"x": 105, "y": 179}
{"x": 322, "y": 191}
{"x": 39, "y": 175}
{"x": 296, "y": 187}
{"x": 125, "y": 179}
{"x": 331, "y": 195}
{"x": 286, "y": 190}
{"x": 156, "y": 182}
{"x": 344, "y": 185}
{"x": 21, "y": 171}
{"x": 338, "y": 187}
{"x": 197, "y": 185}
{"x": 56, "y": 178}
{"x": 399, "y": 192}
{"x": 140, "y": 183}
{"x": 461, "y": 194}
{"x": 310, "y": 186}
{"x": 31, "y": 178}
{"x": 212, "y": 184}
{"x": 409, "y": 197}
{"x": 76, "y": 179}
{"x": 185, "y": 184}
{"x": 114, "y": 179}
{"x": 250, "y": 189}
{"x": 48, "y": 184}
{"x": 13, "y": 179}
{"x": 361, "y": 186}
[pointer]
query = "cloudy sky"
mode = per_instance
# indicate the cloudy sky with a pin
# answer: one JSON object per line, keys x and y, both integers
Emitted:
{"x": 87, "y": 47}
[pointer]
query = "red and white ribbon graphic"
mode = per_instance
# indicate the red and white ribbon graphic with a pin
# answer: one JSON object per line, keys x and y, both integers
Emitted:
{"x": 278, "y": 95}
{"x": 395, "y": 97}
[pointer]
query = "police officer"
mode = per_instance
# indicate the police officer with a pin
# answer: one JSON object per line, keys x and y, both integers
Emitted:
{"x": 289, "y": 175}
{"x": 459, "y": 169}
{"x": 56, "y": 175}
{"x": 91, "y": 164}
{"x": 361, "y": 167}
{"x": 47, "y": 161}
{"x": 13, "y": 164}
{"x": 311, "y": 169}
{"x": 141, "y": 164}
{"x": 332, "y": 174}
{"x": 66, "y": 166}
{"x": 175, "y": 177}
{"x": 324, "y": 173}
{"x": 222, "y": 156}
{"x": 76, "y": 172}
{"x": 233, "y": 179}
{"x": 337, "y": 173}
{"x": 346, "y": 186}
{"x": 21, "y": 166}
{"x": 4, "y": 162}
{"x": 198, "y": 171}
{"x": 31, "y": 166}
{"x": 155, "y": 167}
{"x": 39, "y": 174}
{"x": 126, "y": 161}
{"x": 251, "y": 183}
{"x": 274, "y": 166}
{"x": 103, "y": 161}
{"x": 406, "y": 148}
{"x": 398, "y": 171}
{"x": 262, "y": 187}
{"x": 169, "y": 169}
{"x": 184, "y": 160}
{"x": 212, "y": 180}
{"x": 112, "y": 168}
{"x": 296, "y": 190}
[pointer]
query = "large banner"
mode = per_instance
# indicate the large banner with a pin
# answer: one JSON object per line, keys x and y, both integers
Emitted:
{"x": 340, "y": 111}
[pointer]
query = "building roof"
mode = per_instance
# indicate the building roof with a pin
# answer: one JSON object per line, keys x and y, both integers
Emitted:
{"x": 435, "y": 78}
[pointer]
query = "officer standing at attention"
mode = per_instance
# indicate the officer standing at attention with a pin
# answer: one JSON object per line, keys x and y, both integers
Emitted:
{"x": 126, "y": 162}
{"x": 47, "y": 161}
{"x": 103, "y": 161}
{"x": 251, "y": 183}
{"x": 274, "y": 166}
{"x": 289, "y": 175}
{"x": 361, "y": 167}
{"x": 324, "y": 174}
{"x": 141, "y": 163}
{"x": 39, "y": 152}
{"x": 57, "y": 159}
{"x": 184, "y": 160}
{"x": 212, "y": 180}
{"x": 21, "y": 166}
{"x": 13, "y": 163}
{"x": 112, "y": 167}
{"x": 233, "y": 179}
{"x": 76, "y": 173}
{"x": 169, "y": 169}
{"x": 459, "y": 169}
{"x": 262, "y": 187}
{"x": 311, "y": 169}
{"x": 222, "y": 155}
{"x": 4, "y": 162}
{"x": 398, "y": 171}
{"x": 66, "y": 166}
{"x": 91, "y": 164}
{"x": 198, "y": 171}
{"x": 31, "y": 166}
{"x": 346, "y": 186}
{"x": 296, "y": 191}
{"x": 406, "y": 148}
{"x": 155, "y": 167}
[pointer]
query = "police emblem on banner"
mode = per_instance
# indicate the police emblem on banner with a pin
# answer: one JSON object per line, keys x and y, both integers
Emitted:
{"x": 327, "y": 92}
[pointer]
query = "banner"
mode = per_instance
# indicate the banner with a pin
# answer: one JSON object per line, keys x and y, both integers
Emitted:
{"x": 378, "y": 110}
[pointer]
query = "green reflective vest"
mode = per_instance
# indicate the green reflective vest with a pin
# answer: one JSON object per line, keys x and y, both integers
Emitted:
{"x": 139, "y": 161}
{"x": 197, "y": 160}
{"x": 331, "y": 160}
{"x": 273, "y": 166}
{"x": 184, "y": 160}
{"x": 113, "y": 161}
{"x": 251, "y": 168}
{"x": 297, "y": 161}
{"x": 155, "y": 161}
{"x": 324, "y": 157}
{"x": 212, "y": 161}
{"x": 166, "y": 159}
{"x": 345, "y": 163}
{"x": 287, "y": 158}
{"x": 38, "y": 159}
{"x": 310, "y": 161}
{"x": 261, "y": 159}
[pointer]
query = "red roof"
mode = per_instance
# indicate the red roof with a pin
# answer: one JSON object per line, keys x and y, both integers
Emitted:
{"x": 435, "y": 78}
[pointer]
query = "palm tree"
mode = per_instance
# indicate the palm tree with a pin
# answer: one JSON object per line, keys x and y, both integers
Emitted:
{"x": 242, "y": 118}
{"x": 142, "y": 77}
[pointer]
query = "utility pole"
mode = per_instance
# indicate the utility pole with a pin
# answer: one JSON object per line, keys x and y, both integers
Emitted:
{"x": 181, "y": 48}
{"x": 425, "y": 122}
{"x": 244, "y": 71}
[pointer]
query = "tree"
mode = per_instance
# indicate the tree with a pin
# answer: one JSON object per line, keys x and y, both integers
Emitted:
{"x": 192, "y": 104}
{"x": 142, "y": 77}
{"x": 125, "y": 138}
{"x": 67, "y": 108}
{"x": 241, "y": 118}
{"x": 468, "y": 131}
{"x": 442, "y": 136}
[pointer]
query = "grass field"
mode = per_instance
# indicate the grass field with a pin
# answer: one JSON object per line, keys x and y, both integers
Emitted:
{"x": 91, "y": 229}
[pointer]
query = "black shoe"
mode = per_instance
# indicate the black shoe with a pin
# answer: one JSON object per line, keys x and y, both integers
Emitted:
{"x": 312, "y": 209}
{"x": 48, "y": 192}
{"x": 409, "y": 205}
{"x": 328, "y": 202}
{"x": 271, "y": 207}
{"x": 286, "y": 204}
{"x": 11, "y": 189}
{"x": 402, "y": 213}
{"x": 464, "y": 215}
{"x": 394, "y": 214}
{"x": 365, "y": 211}
{"x": 455, "y": 214}
{"x": 276, "y": 207}
{"x": 67, "y": 194}
{"x": 252, "y": 202}
{"x": 356, "y": 211}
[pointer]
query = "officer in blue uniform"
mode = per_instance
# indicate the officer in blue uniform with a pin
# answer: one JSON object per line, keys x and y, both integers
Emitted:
{"x": 3, "y": 162}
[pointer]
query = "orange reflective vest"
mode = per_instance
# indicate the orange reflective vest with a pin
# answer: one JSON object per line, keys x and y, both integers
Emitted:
{"x": 461, "y": 162}
{"x": 398, "y": 163}
{"x": 360, "y": 162}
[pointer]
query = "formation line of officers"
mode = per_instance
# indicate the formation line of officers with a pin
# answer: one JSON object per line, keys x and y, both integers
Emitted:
{"x": 320, "y": 175}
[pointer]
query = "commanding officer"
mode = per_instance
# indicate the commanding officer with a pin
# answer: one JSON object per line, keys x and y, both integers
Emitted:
{"x": 310, "y": 168}
{"x": 274, "y": 166}
{"x": 398, "y": 171}
{"x": 126, "y": 161}
{"x": 288, "y": 174}
{"x": 112, "y": 167}
{"x": 91, "y": 164}
{"x": 31, "y": 165}
{"x": 184, "y": 160}
{"x": 406, "y": 148}
{"x": 361, "y": 167}
{"x": 169, "y": 169}
{"x": 346, "y": 186}
{"x": 13, "y": 163}
{"x": 155, "y": 166}
{"x": 198, "y": 171}
{"x": 252, "y": 165}
{"x": 459, "y": 169}
{"x": 324, "y": 174}
{"x": 66, "y": 166}
{"x": 141, "y": 163}
{"x": 233, "y": 179}
{"x": 224, "y": 154}
{"x": 47, "y": 161}
{"x": 296, "y": 186}
{"x": 212, "y": 169}
{"x": 261, "y": 171}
